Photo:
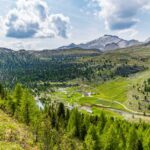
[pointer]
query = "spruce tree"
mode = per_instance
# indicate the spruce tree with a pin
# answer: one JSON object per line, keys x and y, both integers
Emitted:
{"x": 74, "y": 123}
{"x": 2, "y": 92}
{"x": 110, "y": 139}
{"x": 61, "y": 111}
{"x": 28, "y": 107}
{"x": 132, "y": 139}
{"x": 146, "y": 140}
{"x": 18, "y": 93}
{"x": 92, "y": 139}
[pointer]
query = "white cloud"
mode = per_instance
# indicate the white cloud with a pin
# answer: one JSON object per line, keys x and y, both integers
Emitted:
{"x": 130, "y": 33}
{"x": 31, "y": 18}
{"x": 16, "y": 45}
{"x": 121, "y": 14}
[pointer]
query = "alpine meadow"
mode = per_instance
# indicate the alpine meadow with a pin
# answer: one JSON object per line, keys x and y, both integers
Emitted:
{"x": 74, "y": 75}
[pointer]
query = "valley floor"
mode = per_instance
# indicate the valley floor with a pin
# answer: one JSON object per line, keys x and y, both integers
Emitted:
{"x": 114, "y": 96}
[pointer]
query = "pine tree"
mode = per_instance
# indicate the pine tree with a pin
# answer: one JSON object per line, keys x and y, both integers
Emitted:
{"x": 28, "y": 108}
{"x": 101, "y": 122}
{"x": 11, "y": 105}
{"x": 74, "y": 123}
{"x": 61, "y": 111}
{"x": 92, "y": 139}
{"x": 146, "y": 140}
{"x": 2, "y": 92}
{"x": 83, "y": 131}
{"x": 46, "y": 134}
{"x": 18, "y": 93}
{"x": 110, "y": 139}
{"x": 132, "y": 139}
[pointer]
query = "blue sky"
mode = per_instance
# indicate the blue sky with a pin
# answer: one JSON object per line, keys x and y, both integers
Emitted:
{"x": 48, "y": 24}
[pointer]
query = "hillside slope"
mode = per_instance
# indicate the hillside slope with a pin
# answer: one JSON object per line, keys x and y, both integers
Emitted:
{"x": 13, "y": 135}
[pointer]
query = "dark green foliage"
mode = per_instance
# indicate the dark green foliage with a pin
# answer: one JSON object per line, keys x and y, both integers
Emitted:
{"x": 126, "y": 70}
{"x": 61, "y": 110}
{"x": 28, "y": 67}
{"x": 2, "y": 92}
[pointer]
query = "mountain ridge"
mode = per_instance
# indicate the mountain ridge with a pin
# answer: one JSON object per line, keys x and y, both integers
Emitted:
{"x": 104, "y": 43}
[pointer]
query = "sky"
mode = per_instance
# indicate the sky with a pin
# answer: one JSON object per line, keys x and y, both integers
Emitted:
{"x": 48, "y": 24}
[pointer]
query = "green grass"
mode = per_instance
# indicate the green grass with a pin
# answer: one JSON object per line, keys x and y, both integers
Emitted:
{"x": 98, "y": 111}
{"x": 10, "y": 146}
{"x": 114, "y": 90}
{"x": 105, "y": 94}
{"x": 95, "y": 101}
{"x": 120, "y": 89}
{"x": 111, "y": 90}
{"x": 139, "y": 77}
{"x": 13, "y": 135}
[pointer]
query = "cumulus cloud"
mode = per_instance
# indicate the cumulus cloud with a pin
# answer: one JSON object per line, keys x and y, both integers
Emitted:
{"x": 31, "y": 18}
{"x": 121, "y": 14}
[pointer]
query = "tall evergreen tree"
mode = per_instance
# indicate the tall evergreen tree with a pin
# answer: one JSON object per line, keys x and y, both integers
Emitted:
{"x": 92, "y": 139}
{"x": 74, "y": 123}
{"x": 61, "y": 110}
{"x": 110, "y": 139}
{"x": 146, "y": 140}
{"x": 28, "y": 107}
{"x": 132, "y": 139}
{"x": 101, "y": 122}
{"x": 18, "y": 93}
{"x": 2, "y": 92}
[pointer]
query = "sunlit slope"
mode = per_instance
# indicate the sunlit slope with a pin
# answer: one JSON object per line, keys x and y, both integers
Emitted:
{"x": 13, "y": 135}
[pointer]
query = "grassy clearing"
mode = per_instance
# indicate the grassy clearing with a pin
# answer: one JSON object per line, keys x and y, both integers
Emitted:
{"x": 98, "y": 111}
{"x": 115, "y": 90}
{"x": 96, "y": 101}
{"x": 137, "y": 81}
{"x": 105, "y": 94}
{"x": 139, "y": 77}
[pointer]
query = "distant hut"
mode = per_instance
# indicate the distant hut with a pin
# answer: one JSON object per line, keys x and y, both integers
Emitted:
{"x": 87, "y": 94}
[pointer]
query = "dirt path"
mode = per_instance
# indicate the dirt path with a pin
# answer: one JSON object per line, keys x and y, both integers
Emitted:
{"x": 134, "y": 112}
{"x": 130, "y": 115}
{"x": 126, "y": 108}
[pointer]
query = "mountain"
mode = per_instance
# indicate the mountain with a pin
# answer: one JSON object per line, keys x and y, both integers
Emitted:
{"x": 147, "y": 42}
{"x": 71, "y": 46}
{"x": 104, "y": 43}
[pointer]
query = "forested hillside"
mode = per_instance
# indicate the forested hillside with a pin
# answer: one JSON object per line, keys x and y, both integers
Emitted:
{"x": 29, "y": 67}
{"x": 56, "y": 127}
